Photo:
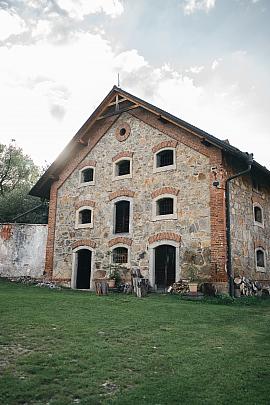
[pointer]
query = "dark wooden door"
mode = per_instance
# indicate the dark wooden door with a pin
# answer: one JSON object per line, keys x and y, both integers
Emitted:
{"x": 164, "y": 266}
{"x": 84, "y": 269}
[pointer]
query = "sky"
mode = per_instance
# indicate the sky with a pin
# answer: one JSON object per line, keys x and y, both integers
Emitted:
{"x": 205, "y": 61}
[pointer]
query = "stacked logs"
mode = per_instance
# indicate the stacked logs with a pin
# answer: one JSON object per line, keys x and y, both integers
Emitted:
{"x": 180, "y": 287}
{"x": 247, "y": 287}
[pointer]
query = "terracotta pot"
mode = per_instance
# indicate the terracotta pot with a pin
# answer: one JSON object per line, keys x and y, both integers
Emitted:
{"x": 111, "y": 283}
{"x": 193, "y": 287}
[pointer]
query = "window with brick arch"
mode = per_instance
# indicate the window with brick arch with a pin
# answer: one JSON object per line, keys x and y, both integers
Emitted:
{"x": 123, "y": 167}
{"x": 85, "y": 216}
{"x": 258, "y": 214}
{"x": 87, "y": 175}
{"x": 165, "y": 158}
{"x": 260, "y": 258}
{"x": 165, "y": 206}
{"x": 120, "y": 255}
{"x": 122, "y": 214}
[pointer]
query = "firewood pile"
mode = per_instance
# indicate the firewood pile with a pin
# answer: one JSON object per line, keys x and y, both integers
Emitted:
{"x": 180, "y": 287}
{"x": 248, "y": 287}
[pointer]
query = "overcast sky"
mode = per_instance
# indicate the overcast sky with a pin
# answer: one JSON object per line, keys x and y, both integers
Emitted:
{"x": 205, "y": 61}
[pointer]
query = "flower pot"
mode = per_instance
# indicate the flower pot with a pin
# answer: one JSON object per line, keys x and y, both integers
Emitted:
{"x": 111, "y": 283}
{"x": 193, "y": 287}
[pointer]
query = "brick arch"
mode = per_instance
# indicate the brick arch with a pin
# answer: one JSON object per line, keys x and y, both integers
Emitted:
{"x": 165, "y": 190}
{"x": 258, "y": 243}
{"x": 121, "y": 193}
{"x": 86, "y": 163}
{"x": 84, "y": 242}
{"x": 120, "y": 240}
{"x": 123, "y": 154}
{"x": 164, "y": 236}
{"x": 164, "y": 144}
{"x": 85, "y": 203}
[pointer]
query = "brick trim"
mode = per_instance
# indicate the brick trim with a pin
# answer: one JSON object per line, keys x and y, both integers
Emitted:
{"x": 96, "y": 132}
{"x": 124, "y": 154}
{"x": 84, "y": 242}
{"x": 86, "y": 163}
{"x": 86, "y": 203}
{"x": 164, "y": 236}
{"x": 120, "y": 240}
{"x": 256, "y": 199}
{"x": 125, "y": 126}
{"x": 258, "y": 243}
{"x": 164, "y": 144}
{"x": 121, "y": 193}
{"x": 165, "y": 190}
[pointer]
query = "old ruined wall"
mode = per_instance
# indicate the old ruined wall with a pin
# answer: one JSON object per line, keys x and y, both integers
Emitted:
{"x": 246, "y": 234}
{"x": 191, "y": 179}
{"x": 22, "y": 250}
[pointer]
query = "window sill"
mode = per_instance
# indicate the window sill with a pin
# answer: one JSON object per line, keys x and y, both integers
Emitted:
{"x": 164, "y": 217}
{"x": 87, "y": 183}
{"x": 261, "y": 225}
{"x": 82, "y": 226}
{"x": 125, "y": 176}
{"x": 261, "y": 269}
{"x": 164, "y": 168}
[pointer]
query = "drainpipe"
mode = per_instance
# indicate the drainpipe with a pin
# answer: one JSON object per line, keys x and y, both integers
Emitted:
{"x": 230, "y": 271}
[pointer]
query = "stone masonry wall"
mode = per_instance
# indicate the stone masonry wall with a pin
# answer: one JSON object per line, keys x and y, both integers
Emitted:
{"x": 191, "y": 178}
{"x": 22, "y": 250}
{"x": 246, "y": 235}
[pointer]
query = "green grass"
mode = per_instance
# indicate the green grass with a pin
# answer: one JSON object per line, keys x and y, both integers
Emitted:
{"x": 60, "y": 347}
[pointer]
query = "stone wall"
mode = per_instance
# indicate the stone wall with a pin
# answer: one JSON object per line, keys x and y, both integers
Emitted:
{"x": 22, "y": 250}
{"x": 191, "y": 179}
{"x": 246, "y": 234}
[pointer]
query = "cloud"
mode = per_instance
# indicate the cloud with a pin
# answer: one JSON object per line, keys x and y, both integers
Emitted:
{"x": 215, "y": 64}
{"x": 191, "y": 6}
{"x": 10, "y": 24}
{"x": 79, "y": 8}
{"x": 195, "y": 69}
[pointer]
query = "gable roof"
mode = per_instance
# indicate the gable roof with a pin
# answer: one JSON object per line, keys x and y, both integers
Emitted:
{"x": 116, "y": 102}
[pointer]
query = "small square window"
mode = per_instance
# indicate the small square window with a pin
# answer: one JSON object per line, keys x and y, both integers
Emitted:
{"x": 85, "y": 217}
{"x": 120, "y": 255}
{"x": 123, "y": 168}
{"x": 87, "y": 175}
{"x": 165, "y": 206}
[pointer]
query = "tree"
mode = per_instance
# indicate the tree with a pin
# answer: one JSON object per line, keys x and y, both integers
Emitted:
{"x": 18, "y": 173}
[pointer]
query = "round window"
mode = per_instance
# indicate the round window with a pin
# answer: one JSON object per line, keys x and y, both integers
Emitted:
{"x": 122, "y": 132}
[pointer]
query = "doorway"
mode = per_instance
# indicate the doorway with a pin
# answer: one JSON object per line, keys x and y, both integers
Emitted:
{"x": 164, "y": 266}
{"x": 83, "y": 274}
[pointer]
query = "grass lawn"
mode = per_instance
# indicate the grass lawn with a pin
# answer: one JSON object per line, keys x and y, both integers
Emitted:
{"x": 68, "y": 347}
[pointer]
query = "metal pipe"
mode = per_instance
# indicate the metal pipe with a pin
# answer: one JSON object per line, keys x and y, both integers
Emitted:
{"x": 28, "y": 212}
{"x": 230, "y": 271}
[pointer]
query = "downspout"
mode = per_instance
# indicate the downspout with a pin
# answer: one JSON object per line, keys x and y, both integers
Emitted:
{"x": 230, "y": 271}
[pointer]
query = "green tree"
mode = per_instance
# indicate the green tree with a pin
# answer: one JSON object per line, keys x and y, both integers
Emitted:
{"x": 18, "y": 173}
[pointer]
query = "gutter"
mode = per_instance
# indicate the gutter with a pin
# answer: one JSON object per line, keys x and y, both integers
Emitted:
{"x": 230, "y": 271}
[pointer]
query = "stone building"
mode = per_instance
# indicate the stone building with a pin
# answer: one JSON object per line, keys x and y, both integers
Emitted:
{"x": 139, "y": 187}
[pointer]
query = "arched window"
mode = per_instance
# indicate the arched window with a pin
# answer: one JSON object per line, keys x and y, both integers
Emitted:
{"x": 164, "y": 207}
{"x": 258, "y": 214}
{"x": 260, "y": 258}
{"x": 120, "y": 255}
{"x": 165, "y": 158}
{"x": 122, "y": 216}
{"x": 84, "y": 217}
{"x": 87, "y": 176}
